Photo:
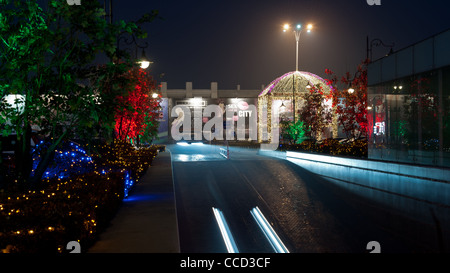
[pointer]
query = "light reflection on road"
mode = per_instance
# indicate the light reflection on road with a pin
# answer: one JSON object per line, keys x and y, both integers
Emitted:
{"x": 195, "y": 157}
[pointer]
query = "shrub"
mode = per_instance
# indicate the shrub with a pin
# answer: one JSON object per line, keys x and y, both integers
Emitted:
{"x": 72, "y": 205}
{"x": 357, "y": 148}
{"x": 66, "y": 210}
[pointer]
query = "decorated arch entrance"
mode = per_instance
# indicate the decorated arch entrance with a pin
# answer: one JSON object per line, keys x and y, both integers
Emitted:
{"x": 283, "y": 95}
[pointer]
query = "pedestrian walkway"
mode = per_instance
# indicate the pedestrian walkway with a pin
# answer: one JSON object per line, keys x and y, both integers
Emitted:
{"x": 147, "y": 221}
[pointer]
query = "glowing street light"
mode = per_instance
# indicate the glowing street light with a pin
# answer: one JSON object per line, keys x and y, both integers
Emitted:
{"x": 144, "y": 62}
{"x": 297, "y": 31}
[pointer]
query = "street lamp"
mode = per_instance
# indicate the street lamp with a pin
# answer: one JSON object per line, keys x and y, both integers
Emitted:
{"x": 376, "y": 42}
{"x": 144, "y": 62}
{"x": 297, "y": 32}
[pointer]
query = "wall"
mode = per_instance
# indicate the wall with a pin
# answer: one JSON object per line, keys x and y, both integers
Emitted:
{"x": 414, "y": 190}
{"x": 214, "y": 92}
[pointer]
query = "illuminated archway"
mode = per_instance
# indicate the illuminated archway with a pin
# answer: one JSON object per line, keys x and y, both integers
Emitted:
{"x": 280, "y": 93}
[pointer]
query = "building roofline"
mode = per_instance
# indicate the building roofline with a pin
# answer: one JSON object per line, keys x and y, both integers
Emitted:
{"x": 411, "y": 45}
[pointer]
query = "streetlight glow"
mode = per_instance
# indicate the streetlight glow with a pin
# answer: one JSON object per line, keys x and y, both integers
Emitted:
{"x": 297, "y": 31}
{"x": 144, "y": 64}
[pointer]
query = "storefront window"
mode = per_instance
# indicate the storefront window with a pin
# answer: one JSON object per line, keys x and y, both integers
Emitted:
{"x": 409, "y": 119}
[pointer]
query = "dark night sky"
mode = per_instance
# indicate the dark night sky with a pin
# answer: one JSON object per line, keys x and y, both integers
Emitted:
{"x": 241, "y": 41}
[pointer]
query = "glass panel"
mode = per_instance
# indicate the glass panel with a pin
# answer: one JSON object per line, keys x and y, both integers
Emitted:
{"x": 409, "y": 119}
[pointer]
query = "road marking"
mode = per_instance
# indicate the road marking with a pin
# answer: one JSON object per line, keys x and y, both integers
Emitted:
{"x": 225, "y": 230}
{"x": 267, "y": 229}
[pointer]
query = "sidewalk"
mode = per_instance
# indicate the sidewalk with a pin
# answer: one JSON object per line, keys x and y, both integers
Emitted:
{"x": 147, "y": 221}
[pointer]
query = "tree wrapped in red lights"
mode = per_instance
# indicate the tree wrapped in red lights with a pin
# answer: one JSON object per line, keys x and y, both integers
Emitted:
{"x": 138, "y": 111}
{"x": 315, "y": 114}
{"x": 351, "y": 103}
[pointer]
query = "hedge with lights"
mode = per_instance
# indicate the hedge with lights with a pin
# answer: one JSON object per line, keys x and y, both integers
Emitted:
{"x": 357, "y": 148}
{"x": 66, "y": 210}
{"x": 76, "y": 201}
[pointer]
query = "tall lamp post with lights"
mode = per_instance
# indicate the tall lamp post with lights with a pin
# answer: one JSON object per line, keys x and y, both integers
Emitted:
{"x": 297, "y": 32}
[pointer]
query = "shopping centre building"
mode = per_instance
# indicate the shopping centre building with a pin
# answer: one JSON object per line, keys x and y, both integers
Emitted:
{"x": 409, "y": 104}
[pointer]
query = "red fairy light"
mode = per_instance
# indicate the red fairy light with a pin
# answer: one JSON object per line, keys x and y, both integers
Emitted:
{"x": 138, "y": 107}
{"x": 351, "y": 107}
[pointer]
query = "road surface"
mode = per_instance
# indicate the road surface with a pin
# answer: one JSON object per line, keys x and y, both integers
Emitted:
{"x": 308, "y": 214}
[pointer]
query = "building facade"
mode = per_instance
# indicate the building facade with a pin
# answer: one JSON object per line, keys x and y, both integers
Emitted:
{"x": 409, "y": 104}
{"x": 241, "y": 103}
{"x": 242, "y": 109}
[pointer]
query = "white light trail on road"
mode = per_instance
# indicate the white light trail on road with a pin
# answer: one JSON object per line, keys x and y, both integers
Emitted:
{"x": 183, "y": 157}
{"x": 226, "y": 233}
{"x": 267, "y": 229}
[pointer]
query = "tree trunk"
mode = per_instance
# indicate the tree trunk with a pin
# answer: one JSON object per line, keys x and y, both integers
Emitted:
{"x": 23, "y": 158}
{"x": 35, "y": 181}
{"x": 2, "y": 167}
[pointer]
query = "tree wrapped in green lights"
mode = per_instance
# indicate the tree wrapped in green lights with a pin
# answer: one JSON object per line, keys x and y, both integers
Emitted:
{"x": 295, "y": 133}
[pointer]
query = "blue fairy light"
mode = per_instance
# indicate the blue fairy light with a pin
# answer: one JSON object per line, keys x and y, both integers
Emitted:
{"x": 71, "y": 160}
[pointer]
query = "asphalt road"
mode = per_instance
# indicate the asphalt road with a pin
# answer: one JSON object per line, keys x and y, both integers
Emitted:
{"x": 308, "y": 214}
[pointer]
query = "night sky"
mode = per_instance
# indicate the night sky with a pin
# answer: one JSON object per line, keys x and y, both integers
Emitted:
{"x": 241, "y": 41}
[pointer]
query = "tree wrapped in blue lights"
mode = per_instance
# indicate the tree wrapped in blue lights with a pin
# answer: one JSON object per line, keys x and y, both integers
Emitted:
{"x": 71, "y": 159}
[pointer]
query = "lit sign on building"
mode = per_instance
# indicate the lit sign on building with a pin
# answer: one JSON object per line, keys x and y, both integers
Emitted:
{"x": 241, "y": 107}
{"x": 379, "y": 128}
{"x": 245, "y": 114}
